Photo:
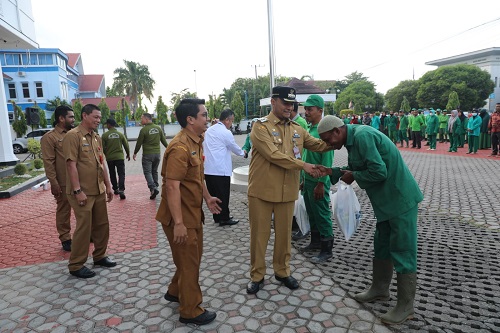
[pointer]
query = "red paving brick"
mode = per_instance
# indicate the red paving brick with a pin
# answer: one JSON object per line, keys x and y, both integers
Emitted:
{"x": 28, "y": 234}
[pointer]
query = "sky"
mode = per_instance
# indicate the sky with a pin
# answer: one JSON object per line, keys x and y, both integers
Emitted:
{"x": 205, "y": 46}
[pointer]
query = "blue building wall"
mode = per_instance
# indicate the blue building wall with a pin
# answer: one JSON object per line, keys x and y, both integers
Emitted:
{"x": 47, "y": 66}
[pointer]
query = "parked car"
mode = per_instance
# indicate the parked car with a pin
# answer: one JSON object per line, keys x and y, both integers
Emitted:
{"x": 20, "y": 145}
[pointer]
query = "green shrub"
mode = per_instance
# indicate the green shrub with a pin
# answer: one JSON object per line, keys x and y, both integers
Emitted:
{"x": 20, "y": 169}
{"x": 34, "y": 147}
{"x": 38, "y": 163}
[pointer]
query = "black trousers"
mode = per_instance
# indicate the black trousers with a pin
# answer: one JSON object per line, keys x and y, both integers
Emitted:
{"x": 220, "y": 187}
{"x": 495, "y": 141}
{"x": 119, "y": 165}
{"x": 417, "y": 139}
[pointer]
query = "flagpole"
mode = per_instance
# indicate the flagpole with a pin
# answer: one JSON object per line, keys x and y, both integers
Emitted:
{"x": 272, "y": 61}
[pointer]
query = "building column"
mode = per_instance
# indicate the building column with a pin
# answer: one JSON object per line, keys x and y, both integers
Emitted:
{"x": 7, "y": 156}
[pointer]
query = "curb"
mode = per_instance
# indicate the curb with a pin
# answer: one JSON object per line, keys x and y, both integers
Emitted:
{"x": 22, "y": 187}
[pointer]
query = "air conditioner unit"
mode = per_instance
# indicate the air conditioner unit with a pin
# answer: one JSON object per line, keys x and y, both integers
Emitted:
{"x": 20, "y": 73}
{"x": 30, "y": 100}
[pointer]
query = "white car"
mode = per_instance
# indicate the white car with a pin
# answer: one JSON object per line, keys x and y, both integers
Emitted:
{"x": 20, "y": 145}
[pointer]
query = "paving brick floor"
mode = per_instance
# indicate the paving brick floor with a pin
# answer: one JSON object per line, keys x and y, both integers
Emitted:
{"x": 459, "y": 267}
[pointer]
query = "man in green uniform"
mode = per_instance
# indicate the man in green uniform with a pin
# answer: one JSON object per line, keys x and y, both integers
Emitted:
{"x": 432, "y": 130}
{"x": 88, "y": 189}
{"x": 296, "y": 116}
{"x": 416, "y": 127}
{"x": 316, "y": 191}
{"x": 149, "y": 138}
{"x": 443, "y": 123}
{"x": 112, "y": 142}
{"x": 403, "y": 128}
{"x": 181, "y": 211}
{"x": 55, "y": 169}
{"x": 376, "y": 165}
{"x": 392, "y": 126}
{"x": 273, "y": 185}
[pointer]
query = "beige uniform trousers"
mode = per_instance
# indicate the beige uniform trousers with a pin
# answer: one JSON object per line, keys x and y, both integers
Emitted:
{"x": 260, "y": 213}
{"x": 63, "y": 215}
{"x": 91, "y": 222}
{"x": 185, "y": 283}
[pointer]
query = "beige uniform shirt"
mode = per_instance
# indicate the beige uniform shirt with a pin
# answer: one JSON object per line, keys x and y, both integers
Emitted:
{"x": 183, "y": 161}
{"x": 85, "y": 148}
{"x": 53, "y": 158}
{"x": 274, "y": 168}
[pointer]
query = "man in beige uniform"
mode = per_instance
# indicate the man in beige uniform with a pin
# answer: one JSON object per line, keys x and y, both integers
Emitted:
{"x": 55, "y": 169}
{"x": 88, "y": 186}
{"x": 181, "y": 213}
{"x": 273, "y": 185}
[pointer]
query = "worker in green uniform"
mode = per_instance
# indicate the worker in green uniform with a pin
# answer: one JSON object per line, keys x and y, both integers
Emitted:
{"x": 295, "y": 116}
{"x": 454, "y": 126}
{"x": 473, "y": 129}
{"x": 416, "y": 127}
{"x": 462, "y": 138}
{"x": 403, "y": 128}
{"x": 443, "y": 122}
{"x": 316, "y": 191}
{"x": 112, "y": 143}
{"x": 149, "y": 138}
{"x": 376, "y": 165}
{"x": 432, "y": 130}
{"x": 392, "y": 126}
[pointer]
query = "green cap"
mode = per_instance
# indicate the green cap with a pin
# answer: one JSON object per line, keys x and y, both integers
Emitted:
{"x": 314, "y": 100}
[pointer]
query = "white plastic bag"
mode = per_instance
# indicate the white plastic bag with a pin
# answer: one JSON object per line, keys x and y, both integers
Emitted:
{"x": 301, "y": 216}
{"x": 347, "y": 210}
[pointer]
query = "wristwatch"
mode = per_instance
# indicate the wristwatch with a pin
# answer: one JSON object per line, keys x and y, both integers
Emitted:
{"x": 77, "y": 191}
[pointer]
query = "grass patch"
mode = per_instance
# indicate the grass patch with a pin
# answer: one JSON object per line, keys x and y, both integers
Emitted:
{"x": 13, "y": 180}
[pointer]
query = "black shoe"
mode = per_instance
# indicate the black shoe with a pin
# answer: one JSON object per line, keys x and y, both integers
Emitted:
{"x": 203, "y": 319}
{"x": 299, "y": 235}
{"x": 154, "y": 193}
{"x": 105, "y": 262}
{"x": 228, "y": 222}
{"x": 83, "y": 273}
{"x": 66, "y": 245}
{"x": 171, "y": 298}
{"x": 289, "y": 281}
{"x": 116, "y": 192}
{"x": 122, "y": 195}
{"x": 254, "y": 287}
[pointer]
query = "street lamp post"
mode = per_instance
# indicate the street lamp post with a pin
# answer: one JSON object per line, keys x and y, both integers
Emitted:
{"x": 195, "y": 84}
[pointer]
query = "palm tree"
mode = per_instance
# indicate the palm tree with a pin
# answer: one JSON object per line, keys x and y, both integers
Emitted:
{"x": 134, "y": 80}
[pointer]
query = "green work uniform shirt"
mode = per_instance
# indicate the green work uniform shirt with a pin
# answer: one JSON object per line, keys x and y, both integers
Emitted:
{"x": 403, "y": 123}
{"x": 379, "y": 169}
{"x": 149, "y": 138}
{"x": 416, "y": 123}
{"x": 432, "y": 124}
{"x": 112, "y": 142}
{"x": 325, "y": 159}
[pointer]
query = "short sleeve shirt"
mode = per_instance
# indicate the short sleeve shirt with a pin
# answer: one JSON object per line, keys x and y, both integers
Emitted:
{"x": 85, "y": 148}
{"x": 183, "y": 161}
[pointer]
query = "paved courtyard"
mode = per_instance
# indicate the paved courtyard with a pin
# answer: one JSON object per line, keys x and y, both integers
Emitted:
{"x": 458, "y": 273}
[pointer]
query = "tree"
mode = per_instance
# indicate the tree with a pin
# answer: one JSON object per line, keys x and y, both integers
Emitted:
{"x": 122, "y": 114}
{"x": 363, "y": 96}
{"x": 134, "y": 80}
{"x": 405, "y": 89}
{"x": 77, "y": 109}
{"x": 177, "y": 97}
{"x": 52, "y": 104}
{"x": 405, "y": 105}
{"x": 105, "y": 113}
{"x": 138, "y": 113}
{"x": 111, "y": 92}
{"x": 471, "y": 83}
{"x": 453, "y": 101}
{"x": 19, "y": 124}
{"x": 238, "y": 108}
{"x": 43, "y": 117}
{"x": 161, "y": 113}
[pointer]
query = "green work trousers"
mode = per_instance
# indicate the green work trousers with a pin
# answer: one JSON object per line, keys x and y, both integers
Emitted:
{"x": 403, "y": 136}
{"x": 320, "y": 215}
{"x": 453, "y": 142}
{"x": 396, "y": 239}
{"x": 432, "y": 138}
{"x": 473, "y": 143}
{"x": 442, "y": 134}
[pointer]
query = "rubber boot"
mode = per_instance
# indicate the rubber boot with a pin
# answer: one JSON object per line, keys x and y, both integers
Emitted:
{"x": 315, "y": 242}
{"x": 381, "y": 280}
{"x": 407, "y": 285}
{"x": 326, "y": 251}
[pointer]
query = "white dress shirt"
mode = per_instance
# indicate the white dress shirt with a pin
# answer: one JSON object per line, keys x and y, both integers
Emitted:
{"x": 217, "y": 147}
